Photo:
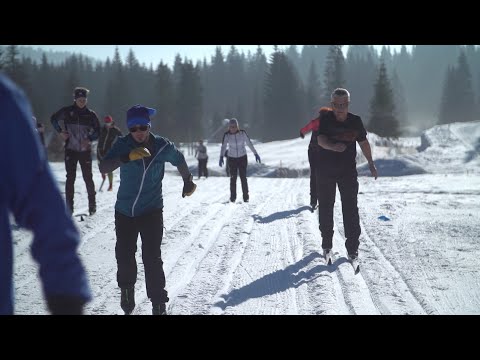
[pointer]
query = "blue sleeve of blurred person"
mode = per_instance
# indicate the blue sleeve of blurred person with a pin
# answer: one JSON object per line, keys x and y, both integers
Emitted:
{"x": 29, "y": 191}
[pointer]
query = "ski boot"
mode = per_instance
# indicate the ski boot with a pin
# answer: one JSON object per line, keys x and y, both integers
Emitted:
{"x": 327, "y": 254}
{"x": 127, "y": 300}
{"x": 159, "y": 309}
{"x": 353, "y": 259}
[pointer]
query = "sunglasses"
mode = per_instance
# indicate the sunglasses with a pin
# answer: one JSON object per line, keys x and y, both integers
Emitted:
{"x": 339, "y": 106}
{"x": 136, "y": 128}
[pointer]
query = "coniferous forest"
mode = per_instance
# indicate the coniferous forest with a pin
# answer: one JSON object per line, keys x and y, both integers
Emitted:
{"x": 396, "y": 93}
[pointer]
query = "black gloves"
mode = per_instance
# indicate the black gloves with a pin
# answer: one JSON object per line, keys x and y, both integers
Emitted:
{"x": 301, "y": 135}
{"x": 65, "y": 305}
{"x": 188, "y": 186}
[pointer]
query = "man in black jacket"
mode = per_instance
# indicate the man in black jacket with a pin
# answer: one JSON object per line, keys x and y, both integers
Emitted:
{"x": 80, "y": 128}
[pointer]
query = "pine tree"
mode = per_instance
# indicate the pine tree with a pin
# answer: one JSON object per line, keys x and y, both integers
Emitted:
{"x": 189, "y": 103}
{"x": 14, "y": 69}
{"x": 131, "y": 62}
{"x": 465, "y": 98}
{"x": 313, "y": 92}
{"x": 283, "y": 93}
{"x": 382, "y": 108}
{"x": 117, "y": 100}
{"x": 360, "y": 73}
{"x": 237, "y": 90}
{"x": 72, "y": 80}
{"x": 334, "y": 74}
{"x": 256, "y": 73}
{"x": 447, "y": 112}
{"x": 317, "y": 54}
{"x": 399, "y": 99}
{"x": 165, "y": 102}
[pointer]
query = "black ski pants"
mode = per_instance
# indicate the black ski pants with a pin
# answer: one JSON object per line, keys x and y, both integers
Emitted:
{"x": 150, "y": 228}
{"x": 326, "y": 189}
{"x": 202, "y": 167}
{"x": 238, "y": 165}
{"x": 85, "y": 160}
{"x": 312, "y": 158}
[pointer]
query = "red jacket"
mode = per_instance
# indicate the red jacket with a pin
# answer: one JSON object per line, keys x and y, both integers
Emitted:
{"x": 311, "y": 126}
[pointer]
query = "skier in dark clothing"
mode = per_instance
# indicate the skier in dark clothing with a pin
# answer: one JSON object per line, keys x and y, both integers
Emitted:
{"x": 41, "y": 133}
{"x": 141, "y": 156}
{"x": 337, "y": 135}
{"x": 25, "y": 170}
{"x": 80, "y": 128}
{"x": 237, "y": 157}
{"x": 109, "y": 133}
{"x": 40, "y": 130}
{"x": 313, "y": 150}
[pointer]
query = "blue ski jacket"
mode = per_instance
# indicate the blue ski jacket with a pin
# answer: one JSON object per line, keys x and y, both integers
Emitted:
{"x": 29, "y": 192}
{"x": 140, "y": 188}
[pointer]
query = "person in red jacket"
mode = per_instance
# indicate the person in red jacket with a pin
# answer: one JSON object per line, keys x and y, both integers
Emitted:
{"x": 109, "y": 133}
{"x": 313, "y": 148}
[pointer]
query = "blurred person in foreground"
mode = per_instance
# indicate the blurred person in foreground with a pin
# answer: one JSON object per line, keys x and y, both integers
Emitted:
{"x": 55, "y": 237}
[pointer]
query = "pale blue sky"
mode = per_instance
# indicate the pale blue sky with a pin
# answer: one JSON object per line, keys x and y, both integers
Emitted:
{"x": 154, "y": 53}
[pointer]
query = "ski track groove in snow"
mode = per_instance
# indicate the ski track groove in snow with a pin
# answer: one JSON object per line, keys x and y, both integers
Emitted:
{"x": 355, "y": 290}
{"x": 325, "y": 291}
{"x": 249, "y": 290}
{"x": 400, "y": 292}
{"x": 217, "y": 266}
{"x": 405, "y": 293}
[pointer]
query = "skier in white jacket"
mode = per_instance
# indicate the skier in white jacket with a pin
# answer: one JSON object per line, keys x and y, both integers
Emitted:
{"x": 237, "y": 157}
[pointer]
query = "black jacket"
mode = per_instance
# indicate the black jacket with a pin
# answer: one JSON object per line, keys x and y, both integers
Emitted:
{"x": 82, "y": 125}
{"x": 107, "y": 138}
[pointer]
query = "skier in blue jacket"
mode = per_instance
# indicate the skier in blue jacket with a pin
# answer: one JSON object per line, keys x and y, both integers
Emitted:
{"x": 55, "y": 237}
{"x": 141, "y": 156}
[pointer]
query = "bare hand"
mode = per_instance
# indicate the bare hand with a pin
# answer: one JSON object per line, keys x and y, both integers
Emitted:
{"x": 338, "y": 147}
{"x": 65, "y": 135}
{"x": 373, "y": 170}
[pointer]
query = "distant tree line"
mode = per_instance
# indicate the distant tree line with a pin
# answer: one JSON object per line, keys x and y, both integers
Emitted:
{"x": 395, "y": 93}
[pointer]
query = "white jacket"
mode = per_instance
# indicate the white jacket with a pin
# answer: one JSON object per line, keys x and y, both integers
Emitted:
{"x": 201, "y": 152}
{"x": 236, "y": 144}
